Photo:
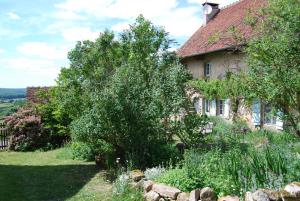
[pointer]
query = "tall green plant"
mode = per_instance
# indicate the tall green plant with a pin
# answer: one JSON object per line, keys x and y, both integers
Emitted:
{"x": 123, "y": 91}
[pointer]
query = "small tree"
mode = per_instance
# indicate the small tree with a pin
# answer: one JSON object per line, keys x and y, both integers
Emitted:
{"x": 121, "y": 92}
{"x": 274, "y": 60}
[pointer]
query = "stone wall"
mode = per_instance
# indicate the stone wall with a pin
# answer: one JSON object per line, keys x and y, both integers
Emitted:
{"x": 221, "y": 62}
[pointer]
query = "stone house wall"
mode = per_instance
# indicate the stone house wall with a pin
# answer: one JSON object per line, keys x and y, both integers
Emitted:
{"x": 221, "y": 62}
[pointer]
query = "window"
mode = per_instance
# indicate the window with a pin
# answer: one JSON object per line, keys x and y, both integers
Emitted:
{"x": 270, "y": 118}
{"x": 221, "y": 107}
{"x": 207, "y": 106}
{"x": 207, "y": 70}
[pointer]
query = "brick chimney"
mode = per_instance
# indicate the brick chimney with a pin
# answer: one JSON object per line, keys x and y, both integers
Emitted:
{"x": 210, "y": 10}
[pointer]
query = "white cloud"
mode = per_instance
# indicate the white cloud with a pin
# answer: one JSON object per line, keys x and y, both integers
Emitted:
{"x": 120, "y": 26}
{"x": 32, "y": 66}
{"x": 67, "y": 15}
{"x": 43, "y": 50}
{"x": 79, "y": 34}
{"x": 2, "y": 51}
{"x": 179, "y": 21}
{"x": 13, "y": 15}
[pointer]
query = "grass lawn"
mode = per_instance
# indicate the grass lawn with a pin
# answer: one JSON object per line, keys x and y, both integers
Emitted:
{"x": 50, "y": 176}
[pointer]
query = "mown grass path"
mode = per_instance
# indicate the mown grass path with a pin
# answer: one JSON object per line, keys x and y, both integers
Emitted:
{"x": 49, "y": 176}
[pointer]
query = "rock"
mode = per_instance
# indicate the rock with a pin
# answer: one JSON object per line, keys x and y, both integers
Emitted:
{"x": 272, "y": 194}
{"x": 293, "y": 189}
{"x": 207, "y": 194}
{"x": 248, "y": 196}
{"x": 136, "y": 175}
{"x": 291, "y": 192}
{"x": 195, "y": 195}
{"x": 161, "y": 199}
{"x": 229, "y": 198}
{"x": 183, "y": 197}
{"x": 166, "y": 191}
{"x": 260, "y": 196}
{"x": 152, "y": 196}
{"x": 147, "y": 185}
{"x": 137, "y": 185}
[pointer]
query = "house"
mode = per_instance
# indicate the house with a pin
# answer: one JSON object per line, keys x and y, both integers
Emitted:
{"x": 215, "y": 48}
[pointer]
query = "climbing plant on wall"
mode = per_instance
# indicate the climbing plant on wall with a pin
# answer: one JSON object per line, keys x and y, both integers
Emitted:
{"x": 234, "y": 86}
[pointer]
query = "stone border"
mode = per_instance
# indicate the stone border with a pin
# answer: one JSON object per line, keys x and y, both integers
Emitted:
{"x": 161, "y": 192}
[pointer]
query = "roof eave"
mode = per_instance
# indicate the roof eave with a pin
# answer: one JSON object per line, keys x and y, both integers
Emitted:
{"x": 209, "y": 52}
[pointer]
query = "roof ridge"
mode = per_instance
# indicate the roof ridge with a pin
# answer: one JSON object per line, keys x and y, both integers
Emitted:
{"x": 232, "y": 4}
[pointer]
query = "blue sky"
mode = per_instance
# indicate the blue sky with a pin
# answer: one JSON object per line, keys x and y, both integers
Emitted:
{"x": 36, "y": 35}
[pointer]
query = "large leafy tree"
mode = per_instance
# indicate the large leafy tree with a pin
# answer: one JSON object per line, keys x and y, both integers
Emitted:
{"x": 122, "y": 91}
{"x": 274, "y": 59}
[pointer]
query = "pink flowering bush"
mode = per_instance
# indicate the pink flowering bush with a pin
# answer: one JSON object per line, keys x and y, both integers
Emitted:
{"x": 26, "y": 130}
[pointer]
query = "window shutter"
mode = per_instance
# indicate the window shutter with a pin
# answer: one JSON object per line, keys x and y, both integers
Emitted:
{"x": 256, "y": 112}
{"x": 213, "y": 108}
{"x": 227, "y": 108}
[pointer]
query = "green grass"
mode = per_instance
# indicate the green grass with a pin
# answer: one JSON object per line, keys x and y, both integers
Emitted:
{"x": 50, "y": 176}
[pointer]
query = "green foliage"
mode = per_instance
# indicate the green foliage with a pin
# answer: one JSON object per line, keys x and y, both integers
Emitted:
{"x": 82, "y": 151}
{"x": 34, "y": 127}
{"x": 123, "y": 191}
{"x": 123, "y": 91}
{"x": 53, "y": 117}
{"x": 273, "y": 58}
{"x": 234, "y": 164}
{"x": 214, "y": 38}
{"x": 179, "y": 178}
{"x": 191, "y": 129}
{"x": 234, "y": 86}
{"x": 211, "y": 89}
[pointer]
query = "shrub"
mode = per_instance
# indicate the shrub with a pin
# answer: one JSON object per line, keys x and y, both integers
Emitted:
{"x": 82, "y": 151}
{"x": 26, "y": 130}
{"x": 154, "y": 173}
{"x": 180, "y": 179}
{"x": 122, "y": 190}
{"x": 191, "y": 131}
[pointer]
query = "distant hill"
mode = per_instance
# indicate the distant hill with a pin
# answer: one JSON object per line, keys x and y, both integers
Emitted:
{"x": 9, "y": 93}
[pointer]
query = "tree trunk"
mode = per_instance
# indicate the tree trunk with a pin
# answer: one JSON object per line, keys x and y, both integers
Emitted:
{"x": 235, "y": 108}
{"x": 262, "y": 114}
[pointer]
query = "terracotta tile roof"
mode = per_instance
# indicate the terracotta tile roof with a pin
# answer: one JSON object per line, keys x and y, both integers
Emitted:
{"x": 216, "y": 35}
